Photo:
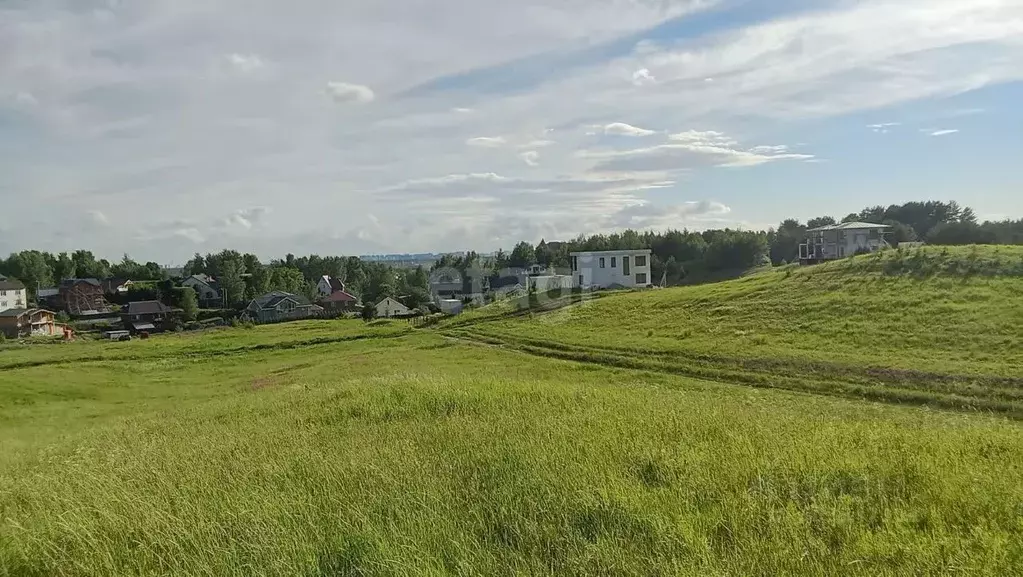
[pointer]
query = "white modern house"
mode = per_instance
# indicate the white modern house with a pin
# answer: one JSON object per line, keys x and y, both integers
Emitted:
{"x": 389, "y": 307}
{"x": 837, "y": 241}
{"x": 611, "y": 268}
{"x": 12, "y": 294}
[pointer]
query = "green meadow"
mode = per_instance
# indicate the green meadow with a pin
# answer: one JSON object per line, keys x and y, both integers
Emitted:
{"x": 858, "y": 418}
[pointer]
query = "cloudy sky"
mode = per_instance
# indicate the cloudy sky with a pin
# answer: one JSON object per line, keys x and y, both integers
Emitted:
{"x": 166, "y": 127}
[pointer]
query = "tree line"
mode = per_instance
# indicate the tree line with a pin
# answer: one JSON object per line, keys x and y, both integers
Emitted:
{"x": 677, "y": 255}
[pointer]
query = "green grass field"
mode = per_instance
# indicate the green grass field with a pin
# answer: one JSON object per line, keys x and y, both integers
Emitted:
{"x": 338, "y": 448}
{"x": 938, "y": 327}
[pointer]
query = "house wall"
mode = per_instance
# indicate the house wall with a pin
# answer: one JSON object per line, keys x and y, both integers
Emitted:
{"x": 324, "y": 287}
{"x": 13, "y": 299}
{"x": 587, "y": 271}
{"x": 203, "y": 291}
{"x": 391, "y": 308}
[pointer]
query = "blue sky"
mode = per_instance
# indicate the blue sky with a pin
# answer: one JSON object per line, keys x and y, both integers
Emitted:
{"x": 166, "y": 127}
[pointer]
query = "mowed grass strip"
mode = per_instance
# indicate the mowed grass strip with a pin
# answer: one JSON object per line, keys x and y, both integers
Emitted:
{"x": 424, "y": 456}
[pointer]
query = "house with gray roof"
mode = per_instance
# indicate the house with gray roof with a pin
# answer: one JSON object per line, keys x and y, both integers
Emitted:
{"x": 276, "y": 306}
{"x": 837, "y": 241}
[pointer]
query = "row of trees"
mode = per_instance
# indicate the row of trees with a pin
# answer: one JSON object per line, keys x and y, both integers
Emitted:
{"x": 243, "y": 277}
{"x": 677, "y": 254}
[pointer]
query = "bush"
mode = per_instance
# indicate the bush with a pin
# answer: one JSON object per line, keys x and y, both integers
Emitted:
{"x": 3, "y": 338}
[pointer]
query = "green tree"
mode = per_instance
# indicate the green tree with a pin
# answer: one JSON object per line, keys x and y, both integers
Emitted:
{"x": 188, "y": 303}
{"x": 820, "y": 221}
{"x": 231, "y": 282}
{"x": 369, "y": 312}
{"x": 522, "y": 255}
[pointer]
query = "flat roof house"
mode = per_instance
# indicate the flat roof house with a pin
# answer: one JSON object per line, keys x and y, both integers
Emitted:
{"x": 611, "y": 268}
{"x": 837, "y": 241}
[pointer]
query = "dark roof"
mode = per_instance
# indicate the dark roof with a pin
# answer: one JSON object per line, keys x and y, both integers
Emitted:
{"x": 148, "y": 308}
{"x": 338, "y": 297}
{"x": 21, "y": 312}
{"x": 336, "y": 284}
{"x": 11, "y": 284}
{"x": 73, "y": 281}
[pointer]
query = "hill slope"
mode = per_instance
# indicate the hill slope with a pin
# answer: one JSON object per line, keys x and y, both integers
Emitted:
{"x": 934, "y": 325}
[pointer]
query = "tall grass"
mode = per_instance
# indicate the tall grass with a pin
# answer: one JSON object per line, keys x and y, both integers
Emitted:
{"x": 418, "y": 455}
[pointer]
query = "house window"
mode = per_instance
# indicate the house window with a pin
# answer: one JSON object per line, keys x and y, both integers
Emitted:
{"x": 640, "y": 261}
{"x": 575, "y": 263}
{"x": 601, "y": 262}
{"x": 3, "y": 293}
{"x": 614, "y": 264}
{"x": 580, "y": 280}
{"x": 641, "y": 278}
{"x": 625, "y": 265}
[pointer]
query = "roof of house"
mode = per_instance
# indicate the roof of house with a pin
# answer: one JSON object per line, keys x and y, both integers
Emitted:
{"x": 338, "y": 297}
{"x": 615, "y": 252}
{"x": 14, "y": 313}
{"x": 148, "y": 308}
{"x": 11, "y": 284}
{"x": 271, "y": 299}
{"x": 69, "y": 282}
{"x": 849, "y": 226}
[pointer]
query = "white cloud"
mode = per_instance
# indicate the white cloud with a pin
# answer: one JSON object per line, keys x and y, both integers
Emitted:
{"x": 98, "y": 217}
{"x": 642, "y": 77}
{"x": 487, "y": 141}
{"x": 690, "y": 150}
{"x": 538, "y": 144}
{"x": 345, "y": 93}
{"x": 530, "y": 157}
{"x": 190, "y": 234}
{"x": 622, "y": 129}
{"x": 131, "y": 99}
{"x": 940, "y": 132}
{"x": 706, "y": 137}
{"x": 884, "y": 127}
{"x": 245, "y": 63}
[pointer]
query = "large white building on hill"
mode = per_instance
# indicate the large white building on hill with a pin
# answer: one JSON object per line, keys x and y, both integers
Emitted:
{"x": 611, "y": 268}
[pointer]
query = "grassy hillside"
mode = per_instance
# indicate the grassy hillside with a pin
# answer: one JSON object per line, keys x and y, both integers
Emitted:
{"x": 335, "y": 448}
{"x": 936, "y": 325}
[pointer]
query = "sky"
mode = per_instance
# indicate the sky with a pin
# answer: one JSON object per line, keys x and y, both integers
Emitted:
{"x": 162, "y": 128}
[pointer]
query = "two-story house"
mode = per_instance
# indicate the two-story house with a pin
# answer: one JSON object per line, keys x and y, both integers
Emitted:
{"x": 206, "y": 288}
{"x": 611, "y": 268}
{"x": 837, "y": 241}
{"x": 12, "y": 294}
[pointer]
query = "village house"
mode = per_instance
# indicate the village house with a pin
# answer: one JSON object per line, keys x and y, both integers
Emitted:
{"x": 13, "y": 294}
{"x": 147, "y": 316}
{"x": 841, "y": 240}
{"x": 83, "y": 297}
{"x": 611, "y": 269}
{"x": 328, "y": 285}
{"x": 206, "y": 288}
{"x": 279, "y": 306}
{"x": 21, "y": 322}
{"x": 389, "y": 308}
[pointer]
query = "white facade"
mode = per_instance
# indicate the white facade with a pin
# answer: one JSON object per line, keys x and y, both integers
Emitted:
{"x": 389, "y": 307}
{"x": 323, "y": 287}
{"x": 542, "y": 284}
{"x": 13, "y": 299}
{"x": 606, "y": 269}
